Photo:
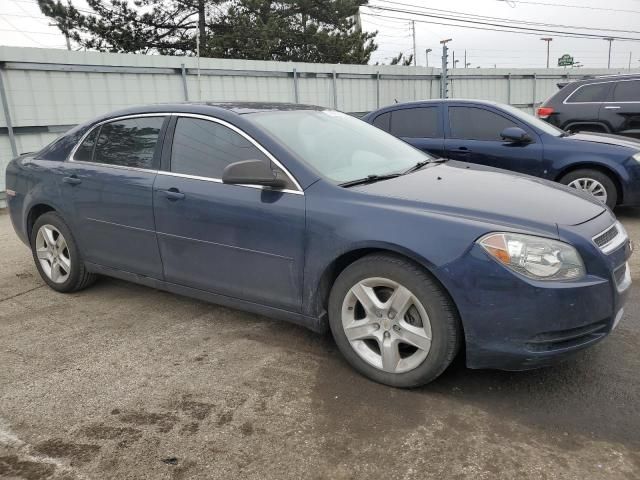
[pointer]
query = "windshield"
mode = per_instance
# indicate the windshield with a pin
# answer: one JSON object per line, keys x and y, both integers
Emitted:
{"x": 339, "y": 146}
{"x": 533, "y": 121}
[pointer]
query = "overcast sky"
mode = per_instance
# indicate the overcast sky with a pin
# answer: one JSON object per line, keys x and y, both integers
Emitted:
{"x": 22, "y": 24}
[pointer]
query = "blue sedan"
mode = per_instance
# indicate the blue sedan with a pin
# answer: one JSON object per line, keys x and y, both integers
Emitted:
{"x": 489, "y": 133}
{"x": 314, "y": 217}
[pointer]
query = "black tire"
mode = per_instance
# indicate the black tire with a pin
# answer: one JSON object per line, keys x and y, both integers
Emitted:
{"x": 446, "y": 331}
{"x": 604, "y": 179}
{"x": 78, "y": 276}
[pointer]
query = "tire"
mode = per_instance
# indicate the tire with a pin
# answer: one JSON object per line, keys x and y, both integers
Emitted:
{"x": 600, "y": 180}
{"x": 61, "y": 266}
{"x": 393, "y": 280}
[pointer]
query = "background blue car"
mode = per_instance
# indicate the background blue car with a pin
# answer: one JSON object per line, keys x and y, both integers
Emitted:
{"x": 502, "y": 136}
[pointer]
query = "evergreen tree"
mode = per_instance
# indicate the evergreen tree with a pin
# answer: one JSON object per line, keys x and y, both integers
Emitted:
{"x": 295, "y": 30}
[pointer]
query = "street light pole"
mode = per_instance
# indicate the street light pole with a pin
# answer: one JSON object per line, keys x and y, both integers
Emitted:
{"x": 413, "y": 27}
{"x": 610, "y": 40}
{"x": 548, "y": 40}
{"x": 427, "y": 55}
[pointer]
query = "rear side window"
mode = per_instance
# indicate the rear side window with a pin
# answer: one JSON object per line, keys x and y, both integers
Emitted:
{"x": 590, "y": 93}
{"x": 421, "y": 122}
{"x": 85, "y": 150}
{"x": 383, "y": 122}
{"x": 471, "y": 123}
{"x": 205, "y": 148}
{"x": 628, "y": 91}
{"x": 129, "y": 143}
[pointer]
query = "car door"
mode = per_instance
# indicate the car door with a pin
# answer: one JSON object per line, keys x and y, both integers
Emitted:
{"x": 109, "y": 183}
{"x": 420, "y": 126}
{"x": 473, "y": 135}
{"x": 622, "y": 111}
{"x": 240, "y": 241}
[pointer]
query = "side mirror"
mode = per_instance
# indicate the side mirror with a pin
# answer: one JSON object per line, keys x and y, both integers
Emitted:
{"x": 515, "y": 135}
{"x": 252, "y": 172}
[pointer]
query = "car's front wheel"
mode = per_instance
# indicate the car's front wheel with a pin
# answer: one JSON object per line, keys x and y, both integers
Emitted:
{"x": 56, "y": 255}
{"x": 595, "y": 183}
{"x": 392, "y": 321}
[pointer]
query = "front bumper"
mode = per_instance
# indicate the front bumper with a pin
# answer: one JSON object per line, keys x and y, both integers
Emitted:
{"x": 514, "y": 323}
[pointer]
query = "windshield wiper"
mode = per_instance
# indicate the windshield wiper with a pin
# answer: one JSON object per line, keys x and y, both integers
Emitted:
{"x": 422, "y": 163}
{"x": 369, "y": 179}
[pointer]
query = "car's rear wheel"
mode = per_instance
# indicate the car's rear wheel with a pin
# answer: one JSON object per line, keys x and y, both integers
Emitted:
{"x": 56, "y": 255}
{"x": 595, "y": 183}
{"x": 392, "y": 321}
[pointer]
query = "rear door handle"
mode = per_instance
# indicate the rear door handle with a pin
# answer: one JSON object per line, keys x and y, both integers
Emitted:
{"x": 72, "y": 180}
{"x": 463, "y": 150}
{"x": 173, "y": 194}
{"x": 612, "y": 107}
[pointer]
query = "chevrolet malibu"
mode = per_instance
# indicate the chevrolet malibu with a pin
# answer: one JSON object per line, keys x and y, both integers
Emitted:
{"x": 315, "y": 217}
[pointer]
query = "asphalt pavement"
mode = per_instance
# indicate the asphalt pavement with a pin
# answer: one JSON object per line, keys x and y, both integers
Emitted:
{"x": 123, "y": 381}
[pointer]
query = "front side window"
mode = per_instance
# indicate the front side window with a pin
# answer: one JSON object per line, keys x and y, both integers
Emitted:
{"x": 420, "y": 122}
{"x": 471, "y": 123}
{"x": 85, "y": 150}
{"x": 628, "y": 91}
{"x": 596, "y": 92}
{"x": 127, "y": 143}
{"x": 204, "y": 148}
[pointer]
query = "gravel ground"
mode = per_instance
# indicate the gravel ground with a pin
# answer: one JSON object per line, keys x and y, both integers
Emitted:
{"x": 122, "y": 381}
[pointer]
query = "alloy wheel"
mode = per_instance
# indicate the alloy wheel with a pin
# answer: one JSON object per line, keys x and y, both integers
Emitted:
{"x": 590, "y": 186}
{"x": 386, "y": 325}
{"x": 53, "y": 253}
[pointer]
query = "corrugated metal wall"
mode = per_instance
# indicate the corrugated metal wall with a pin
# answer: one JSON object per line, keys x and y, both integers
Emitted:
{"x": 49, "y": 90}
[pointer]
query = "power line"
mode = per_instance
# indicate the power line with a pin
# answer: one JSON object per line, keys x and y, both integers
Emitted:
{"x": 485, "y": 29}
{"x": 562, "y": 5}
{"x": 496, "y": 27}
{"x": 474, "y": 18}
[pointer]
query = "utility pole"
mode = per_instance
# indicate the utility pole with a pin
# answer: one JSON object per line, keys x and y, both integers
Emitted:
{"x": 427, "y": 55}
{"x": 454, "y": 60}
{"x": 66, "y": 35}
{"x": 465, "y": 58}
{"x": 443, "y": 74}
{"x": 413, "y": 28}
{"x": 610, "y": 40}
{"x": 202, "y": 34}
{"x": 548, "y": 40}
{"x": 629, "y": 61}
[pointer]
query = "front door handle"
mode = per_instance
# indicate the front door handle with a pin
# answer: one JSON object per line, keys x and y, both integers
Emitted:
{"x": 72, "y": 180}
{"x": 612, "y": 107}
{"x": 173, "y": 194}
{"x": 462, "y": 150}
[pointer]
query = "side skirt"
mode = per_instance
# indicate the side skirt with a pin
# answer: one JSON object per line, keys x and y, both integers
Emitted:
{"x": 319, "y": 325}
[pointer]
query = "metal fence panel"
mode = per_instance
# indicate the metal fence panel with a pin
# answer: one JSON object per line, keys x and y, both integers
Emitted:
{"x": 47, "y": 91}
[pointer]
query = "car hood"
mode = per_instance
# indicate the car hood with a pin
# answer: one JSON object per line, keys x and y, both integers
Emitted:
{"x": 605, "y": 139}
{"x": 489, "y": 194}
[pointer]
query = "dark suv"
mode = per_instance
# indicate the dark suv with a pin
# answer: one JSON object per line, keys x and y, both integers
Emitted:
{"x": 609, "y": 104}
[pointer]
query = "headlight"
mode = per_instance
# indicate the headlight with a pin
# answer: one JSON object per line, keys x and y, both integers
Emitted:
{"x": 636, "y": 157}
{"x": 535, "y": 257}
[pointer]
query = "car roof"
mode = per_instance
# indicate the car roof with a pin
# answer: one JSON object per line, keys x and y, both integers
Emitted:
{"x": 239, "y": 108}
{"x": 608, "y": 78}
{"x": 434, "y": 101}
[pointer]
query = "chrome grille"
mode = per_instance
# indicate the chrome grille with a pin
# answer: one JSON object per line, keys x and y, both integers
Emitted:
{"x": 605, "y": 237}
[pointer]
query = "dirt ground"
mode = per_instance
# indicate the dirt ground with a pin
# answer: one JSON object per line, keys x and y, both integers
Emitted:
{"x": 122, "y": 381}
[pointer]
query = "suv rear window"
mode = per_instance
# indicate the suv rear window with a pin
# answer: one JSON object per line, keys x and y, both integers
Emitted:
{"x": 596, "y": 92}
